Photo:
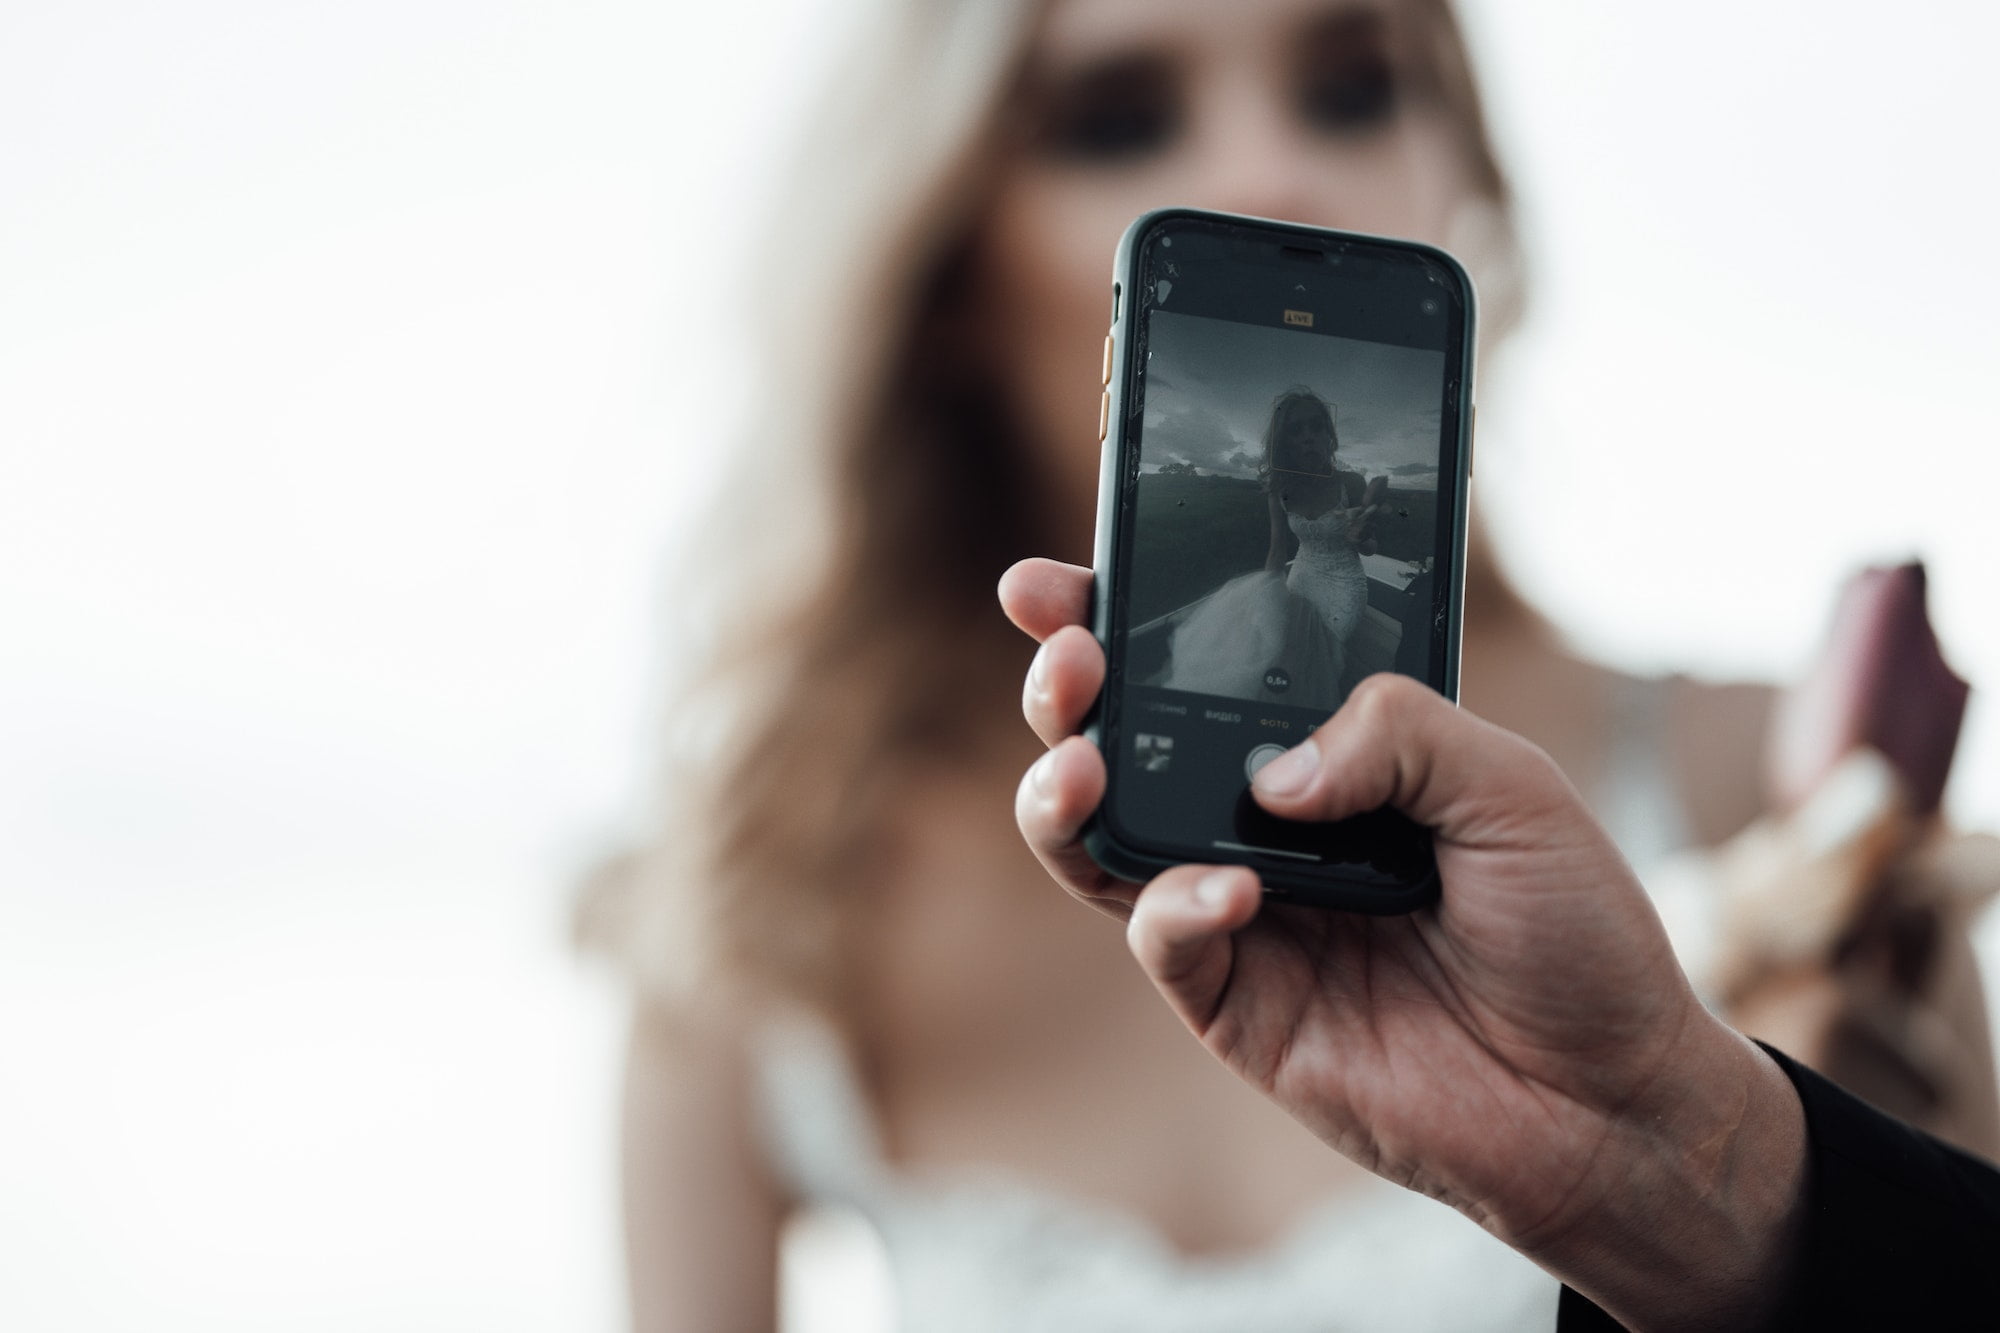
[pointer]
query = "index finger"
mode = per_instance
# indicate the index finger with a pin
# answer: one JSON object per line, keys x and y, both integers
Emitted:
{"x": 1041, "y": 596}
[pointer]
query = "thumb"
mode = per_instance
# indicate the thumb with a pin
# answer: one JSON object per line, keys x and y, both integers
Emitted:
{"x": 1397, "y": 743}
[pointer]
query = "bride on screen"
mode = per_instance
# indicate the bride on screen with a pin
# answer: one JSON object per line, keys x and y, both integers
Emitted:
{"x": 1281, "y": 635}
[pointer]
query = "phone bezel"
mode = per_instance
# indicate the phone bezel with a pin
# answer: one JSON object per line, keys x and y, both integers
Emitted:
{"x": 1116, "y": 850}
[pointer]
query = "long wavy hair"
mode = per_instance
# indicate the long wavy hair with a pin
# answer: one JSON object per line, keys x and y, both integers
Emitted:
{"x": 858, "y": 633}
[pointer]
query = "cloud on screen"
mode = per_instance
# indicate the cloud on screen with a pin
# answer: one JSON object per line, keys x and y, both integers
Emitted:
{"x": 1210, "y": 386}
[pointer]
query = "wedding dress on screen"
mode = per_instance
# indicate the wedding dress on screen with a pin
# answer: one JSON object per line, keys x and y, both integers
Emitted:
{"x": 1277, "y": 636}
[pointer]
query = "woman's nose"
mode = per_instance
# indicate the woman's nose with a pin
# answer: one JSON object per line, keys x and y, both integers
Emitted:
{"x": 1255, "y": 157}
{"x": 1280, "y": 189}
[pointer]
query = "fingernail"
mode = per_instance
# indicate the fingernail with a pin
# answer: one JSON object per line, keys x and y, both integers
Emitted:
{"x": 1041, "y": 772}
{"x": 1213, "y": 889}
{"x": 1288, "y": 774}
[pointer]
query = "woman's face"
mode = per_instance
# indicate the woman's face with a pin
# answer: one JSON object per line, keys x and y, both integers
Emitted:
{"x": 1303, "y": 442}
{"x": 1316, "y": 111}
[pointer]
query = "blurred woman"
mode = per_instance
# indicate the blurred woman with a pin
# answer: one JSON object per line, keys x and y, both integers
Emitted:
{"x": 853, "y": 984}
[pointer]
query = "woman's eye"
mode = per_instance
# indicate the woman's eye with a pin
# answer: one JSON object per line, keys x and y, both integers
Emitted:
{"x": 1112, "y": 115}
{"x": 1356, "y": 94}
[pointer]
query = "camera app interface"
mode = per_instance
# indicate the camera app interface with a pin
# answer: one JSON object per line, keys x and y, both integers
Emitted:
{"x": 1285, "y": 534}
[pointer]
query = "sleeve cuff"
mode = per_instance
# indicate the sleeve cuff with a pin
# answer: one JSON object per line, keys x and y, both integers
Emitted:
{"x": 1900, "y": 1230}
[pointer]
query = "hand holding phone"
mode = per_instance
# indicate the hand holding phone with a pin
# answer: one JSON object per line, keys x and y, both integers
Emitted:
{"x": 1529, "y": 1053}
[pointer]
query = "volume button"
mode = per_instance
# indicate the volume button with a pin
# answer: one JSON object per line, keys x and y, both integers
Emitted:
{"x": 1471, "y": 439}
{"x": 1103, "y": 415}
{"x": 1107, "y": 359}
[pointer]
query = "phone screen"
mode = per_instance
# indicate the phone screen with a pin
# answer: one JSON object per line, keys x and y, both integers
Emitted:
{"x": 1289, "y": 521}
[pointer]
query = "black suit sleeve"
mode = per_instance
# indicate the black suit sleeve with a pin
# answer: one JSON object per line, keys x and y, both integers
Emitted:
{"x": 1900, "y": 1230}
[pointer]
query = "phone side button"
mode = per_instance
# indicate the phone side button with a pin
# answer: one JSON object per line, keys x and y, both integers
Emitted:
{"x": 1103, "y": 415}
{"x": 1472, "y": 439}
{"x": 1107, "y": 359}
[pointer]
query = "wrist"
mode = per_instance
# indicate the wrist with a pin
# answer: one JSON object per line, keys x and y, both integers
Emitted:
{"x": 1690, "y": 1216}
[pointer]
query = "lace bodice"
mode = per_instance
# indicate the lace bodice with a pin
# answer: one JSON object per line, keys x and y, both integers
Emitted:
{"x": 982, "y": 1252}
{"x": 1321, "y": 535}
{"x": 1327, "y": 570}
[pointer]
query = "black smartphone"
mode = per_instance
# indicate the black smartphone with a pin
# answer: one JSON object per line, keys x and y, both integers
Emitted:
{"x": 1287, "y": 432}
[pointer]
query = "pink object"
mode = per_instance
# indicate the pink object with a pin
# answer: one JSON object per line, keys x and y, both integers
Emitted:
{"x": 1882, "y": 682}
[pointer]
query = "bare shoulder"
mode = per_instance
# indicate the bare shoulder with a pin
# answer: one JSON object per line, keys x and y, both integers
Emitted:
{"x": 702, "y": 1210}
{"x": 1716, "y": 737}
{"x": 704, "y": 1045}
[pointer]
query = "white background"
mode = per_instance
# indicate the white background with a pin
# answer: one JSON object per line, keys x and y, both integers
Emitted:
{"x": 357, "y": 359}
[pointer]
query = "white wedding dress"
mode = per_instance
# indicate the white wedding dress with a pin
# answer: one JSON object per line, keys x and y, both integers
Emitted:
{"x": 982, "y": 1251}
{"x": 1277, "y": 636}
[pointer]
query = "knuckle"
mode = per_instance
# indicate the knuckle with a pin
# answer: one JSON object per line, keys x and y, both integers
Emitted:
{"x": 1388, "y": 697}
{"x": 1371, "y": 700}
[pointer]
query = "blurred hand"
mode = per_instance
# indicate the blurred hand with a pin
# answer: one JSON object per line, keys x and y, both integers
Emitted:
{"x": 1527, "y": 1051}
{"x": 1847, "y": 909}
{"x": 1362, "y": 533}
{"x": 1844, "y": 940}
{"x": 1359, "y": 524}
